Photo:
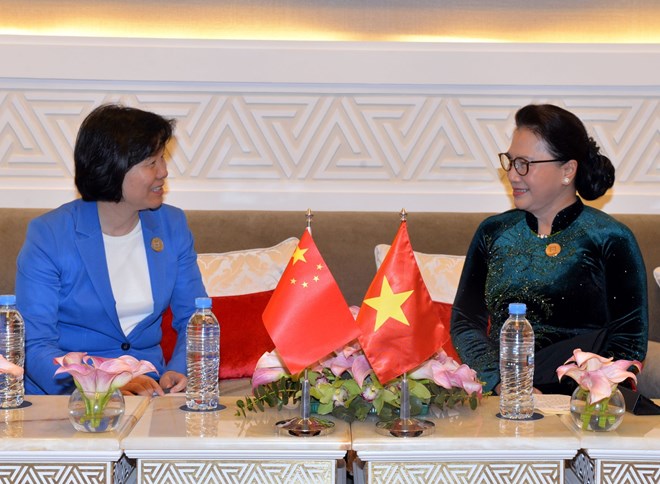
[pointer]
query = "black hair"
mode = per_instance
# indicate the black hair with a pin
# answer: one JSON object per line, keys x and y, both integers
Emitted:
{"x": 567, "y": 139}
{"x": 112, "y": 139}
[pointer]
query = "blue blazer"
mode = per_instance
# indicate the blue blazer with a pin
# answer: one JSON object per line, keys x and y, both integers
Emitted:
{"x": 63, "y": 291}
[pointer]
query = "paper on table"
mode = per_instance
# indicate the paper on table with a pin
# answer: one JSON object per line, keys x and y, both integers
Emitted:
{"x": 552, "y": 404}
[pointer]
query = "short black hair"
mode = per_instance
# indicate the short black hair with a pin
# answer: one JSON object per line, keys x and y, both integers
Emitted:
{"x": 567, "y": 139}
{"x": 112, "y": 139}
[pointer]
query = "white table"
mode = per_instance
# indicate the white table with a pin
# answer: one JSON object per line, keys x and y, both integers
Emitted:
{"x": 39, "y": 444}
{"x": 471, "y": 446}
{"x": 174, "y": 445}
{"x": 631, "y": 453}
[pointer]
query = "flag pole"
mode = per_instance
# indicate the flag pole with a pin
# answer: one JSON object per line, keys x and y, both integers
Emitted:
{"x": 305, "y": 425}
{"x": 405, "y": 425}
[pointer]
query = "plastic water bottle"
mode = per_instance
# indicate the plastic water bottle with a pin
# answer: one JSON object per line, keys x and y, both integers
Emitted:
{"x": 12, "y": 347}
{"x": 203, "y": 357}
{"x": 517, "y": 365}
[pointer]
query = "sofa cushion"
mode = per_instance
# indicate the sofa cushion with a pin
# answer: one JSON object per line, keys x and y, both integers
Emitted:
{"x": 245, "y": 271}
{"x": 441, "y": 274}
{"x": 240, "y": 284}
{"x": 243, "y": 337}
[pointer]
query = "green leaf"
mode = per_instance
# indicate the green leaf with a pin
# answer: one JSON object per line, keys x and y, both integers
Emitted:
{"x": 419, "y": 390}
{"x": 389, "y": 397}
{"x": 325, "y": 408}
{"x": 352, "y": 387}
{"x": 312, "y": 376}
{"x": 378, "y": 402}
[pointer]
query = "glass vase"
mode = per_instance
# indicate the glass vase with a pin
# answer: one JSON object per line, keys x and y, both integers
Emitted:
{"x": 602, "y": 416}
{"x": 96, "y": 412}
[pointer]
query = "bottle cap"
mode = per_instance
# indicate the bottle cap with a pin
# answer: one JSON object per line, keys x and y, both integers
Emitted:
{"x": 203, "y": 302}
{"x": 7, "y": 300}
{"x": 517, "y": 308}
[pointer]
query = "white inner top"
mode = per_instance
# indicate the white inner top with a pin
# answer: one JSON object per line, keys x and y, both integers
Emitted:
{"x": 129, "y": 277}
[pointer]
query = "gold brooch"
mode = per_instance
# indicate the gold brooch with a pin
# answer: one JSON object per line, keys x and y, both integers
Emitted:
{"x": 552, "y": 250}
{"x": 157, "y": 244}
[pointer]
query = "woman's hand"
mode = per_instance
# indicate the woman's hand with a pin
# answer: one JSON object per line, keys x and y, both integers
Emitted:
{"x": 142, "y": 385}
{"x": 173, "y": 381}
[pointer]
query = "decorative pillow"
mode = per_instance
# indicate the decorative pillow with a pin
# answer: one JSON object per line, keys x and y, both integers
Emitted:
{"x": 243, "y": 337}
{"x": 656, "y": 274}
{"x": 240, "y": 284}
{"x": 441, "y": 274}
{"x": 245, "y": 271}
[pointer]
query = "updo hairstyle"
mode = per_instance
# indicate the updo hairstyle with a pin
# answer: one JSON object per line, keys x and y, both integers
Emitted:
{"x": 566, "y": 139}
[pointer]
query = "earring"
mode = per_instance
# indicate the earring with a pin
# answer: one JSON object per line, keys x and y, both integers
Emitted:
{"x": 566, "y": 180}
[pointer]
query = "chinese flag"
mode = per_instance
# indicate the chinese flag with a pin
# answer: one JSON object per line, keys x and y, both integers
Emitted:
{"x": 307, "y": 317}
{"x": 400, "y": 327}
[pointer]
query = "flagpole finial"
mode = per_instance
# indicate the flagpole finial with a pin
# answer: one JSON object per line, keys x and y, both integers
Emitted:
{"x": 309, "y": 216}
{"x": 403, "y": 214}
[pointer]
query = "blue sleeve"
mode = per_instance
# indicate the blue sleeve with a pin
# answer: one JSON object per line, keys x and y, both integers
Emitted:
{"x": 37, "y": 296}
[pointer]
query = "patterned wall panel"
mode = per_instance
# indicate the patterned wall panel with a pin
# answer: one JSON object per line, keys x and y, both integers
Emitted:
{"x": 429, "y": 142}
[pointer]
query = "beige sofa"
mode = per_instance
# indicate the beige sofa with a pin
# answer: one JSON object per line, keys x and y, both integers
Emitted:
{"x": 346, "y": 240}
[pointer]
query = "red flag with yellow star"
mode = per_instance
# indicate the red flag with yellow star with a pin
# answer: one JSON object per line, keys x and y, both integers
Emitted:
{"x": 400, "y": 327}
{"x": 307, "y": 316}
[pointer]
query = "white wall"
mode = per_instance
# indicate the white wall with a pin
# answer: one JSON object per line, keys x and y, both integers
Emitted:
{"x": 327, "y": 125}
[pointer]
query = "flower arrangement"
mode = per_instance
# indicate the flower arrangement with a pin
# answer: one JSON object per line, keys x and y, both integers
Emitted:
{"x": 345, "y": 386}
{"x": 597, "y": 378}
{"x": 97, "y": 378}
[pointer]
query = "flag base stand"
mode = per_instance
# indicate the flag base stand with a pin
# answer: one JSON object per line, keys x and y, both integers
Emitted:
{"x": 406, "y": 427}
{"x": 305, "y": 427}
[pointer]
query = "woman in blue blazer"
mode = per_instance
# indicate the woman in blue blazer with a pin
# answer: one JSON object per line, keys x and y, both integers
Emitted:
{"x": 95, "y": 275}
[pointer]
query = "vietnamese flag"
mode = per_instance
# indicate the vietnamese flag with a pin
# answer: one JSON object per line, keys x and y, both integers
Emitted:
{"x": 307, "y": 316}
{"x": 400, "y": 327}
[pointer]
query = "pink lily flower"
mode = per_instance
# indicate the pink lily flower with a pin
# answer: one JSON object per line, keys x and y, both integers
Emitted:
{"x": 95, "y": 374}
{"x": 466, "y": 378}
{"x": 10, "y": 368}
{"x": 270, "y": 368}
{"x": 70, "y": 358}
{"x": 340, "y": 363}
{"x": 361, "y": 369}
{"x": 596, "y": 374}
{"x": 423, "y": 371}
{"x": 124, "y": 363}
{"x": 447, "y": 373}
{"x": 351, "y": 349}
{"x": 84, "y": 375}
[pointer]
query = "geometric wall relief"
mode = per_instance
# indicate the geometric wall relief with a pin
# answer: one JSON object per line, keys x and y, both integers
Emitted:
{"x": 318, "y": 140}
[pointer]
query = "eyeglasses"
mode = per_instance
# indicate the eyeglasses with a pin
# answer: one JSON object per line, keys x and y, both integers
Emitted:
{"x": 520, "y": 164}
